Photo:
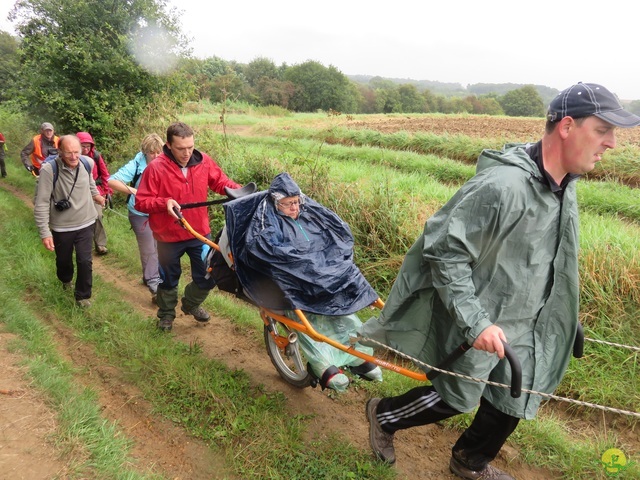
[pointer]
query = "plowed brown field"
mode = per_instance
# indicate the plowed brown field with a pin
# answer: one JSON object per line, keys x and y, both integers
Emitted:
{"x": 482, "y": 126}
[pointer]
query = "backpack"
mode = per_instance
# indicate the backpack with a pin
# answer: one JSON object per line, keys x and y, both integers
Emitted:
{"x": 133, "y": 181}
{"x": 54, "y": 166}
{"x": 96, "y": 160}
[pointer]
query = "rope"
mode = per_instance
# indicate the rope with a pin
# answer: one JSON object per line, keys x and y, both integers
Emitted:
{"x": 635, "y": 349}
{"x": 114, "y": 211}
{"x": 502, "y": 385}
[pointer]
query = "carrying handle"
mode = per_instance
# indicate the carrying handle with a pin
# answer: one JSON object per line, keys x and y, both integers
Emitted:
{"x": 578, "y": 344}
{"x": 232, "y": 194}
{"x": 514, "y": 363}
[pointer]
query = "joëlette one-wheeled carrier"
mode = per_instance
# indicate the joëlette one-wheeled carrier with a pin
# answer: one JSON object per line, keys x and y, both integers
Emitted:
{"x": 281, "y": 333}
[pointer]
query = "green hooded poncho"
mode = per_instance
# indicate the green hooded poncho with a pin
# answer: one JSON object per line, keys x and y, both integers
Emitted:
{"x": 502, "y": 251}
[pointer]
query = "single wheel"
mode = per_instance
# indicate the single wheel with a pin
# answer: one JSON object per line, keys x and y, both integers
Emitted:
{"x": 284, "y": 352}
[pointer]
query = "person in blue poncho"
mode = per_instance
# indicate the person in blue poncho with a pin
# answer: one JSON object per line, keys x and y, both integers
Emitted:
{"x": 285, "y": 238}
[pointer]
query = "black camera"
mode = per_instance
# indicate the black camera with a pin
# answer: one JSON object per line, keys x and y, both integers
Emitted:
{"x": 62, "y": 205}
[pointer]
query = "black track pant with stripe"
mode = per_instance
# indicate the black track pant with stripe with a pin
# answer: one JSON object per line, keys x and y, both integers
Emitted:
{"x": 477, "y": 446}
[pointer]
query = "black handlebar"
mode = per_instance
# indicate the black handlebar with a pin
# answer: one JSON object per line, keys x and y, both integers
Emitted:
{"x": 514, "y": 363}
{"x": 516, "y": 370}
{"x": 578, "y": 344}
{"x": 232, "y": 194}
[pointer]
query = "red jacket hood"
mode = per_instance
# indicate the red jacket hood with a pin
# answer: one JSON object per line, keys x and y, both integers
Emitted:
{"x": 85, "y": 137}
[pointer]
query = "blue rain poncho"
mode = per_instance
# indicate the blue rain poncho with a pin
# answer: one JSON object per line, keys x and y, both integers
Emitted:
{"x": 306, "y": 263}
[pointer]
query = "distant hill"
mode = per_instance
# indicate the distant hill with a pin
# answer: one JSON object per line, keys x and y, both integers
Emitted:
{"x": 457, "y": 89}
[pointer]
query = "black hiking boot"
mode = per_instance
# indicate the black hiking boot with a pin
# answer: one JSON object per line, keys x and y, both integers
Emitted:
{"x": 199, "y": 313}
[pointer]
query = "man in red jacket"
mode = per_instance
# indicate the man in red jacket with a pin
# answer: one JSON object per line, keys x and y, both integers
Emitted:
{"x": 181, "y": 174}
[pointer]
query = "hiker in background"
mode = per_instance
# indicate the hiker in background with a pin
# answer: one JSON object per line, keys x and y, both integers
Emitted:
{"x": 181, "y": 174}
{"x": 126, "y": 180}
{"x": 498, "y": 263}
{"x": 3, "y": 150}
{"x": 34, "y": 153}
{"x": 64, "y": 212}
{"x": 101, "y": 177}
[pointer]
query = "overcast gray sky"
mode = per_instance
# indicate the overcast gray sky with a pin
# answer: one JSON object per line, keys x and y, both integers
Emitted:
{"x": 493, "y": 41}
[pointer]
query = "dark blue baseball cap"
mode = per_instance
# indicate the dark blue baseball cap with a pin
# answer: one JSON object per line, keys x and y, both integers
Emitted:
{"x": 586, "y": 99}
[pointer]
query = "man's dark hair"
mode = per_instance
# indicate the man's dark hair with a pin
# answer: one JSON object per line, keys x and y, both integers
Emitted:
{"x": 178, "y": 129}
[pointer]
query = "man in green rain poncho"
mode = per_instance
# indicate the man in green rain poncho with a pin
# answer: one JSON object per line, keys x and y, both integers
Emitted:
{"x": 497, "y": 263}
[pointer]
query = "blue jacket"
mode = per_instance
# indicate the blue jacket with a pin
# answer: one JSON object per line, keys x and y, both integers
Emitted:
{"x": 127, "y": 173}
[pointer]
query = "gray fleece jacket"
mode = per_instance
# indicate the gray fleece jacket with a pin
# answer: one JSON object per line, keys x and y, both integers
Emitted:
{"x": 82, "y": 212}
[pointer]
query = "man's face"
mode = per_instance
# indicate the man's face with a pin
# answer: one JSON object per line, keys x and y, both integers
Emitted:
{"x": 181, "y": 148}
{"x": 48, "y": 133}
{"x": 69, "y": 152}
{"x": 585, "y": 144}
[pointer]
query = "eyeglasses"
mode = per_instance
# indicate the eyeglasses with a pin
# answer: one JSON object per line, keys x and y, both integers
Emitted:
{"x": 293, "y": 203}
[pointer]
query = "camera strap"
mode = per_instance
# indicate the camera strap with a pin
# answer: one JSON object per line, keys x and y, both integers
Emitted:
{"x": 72, "y": 186}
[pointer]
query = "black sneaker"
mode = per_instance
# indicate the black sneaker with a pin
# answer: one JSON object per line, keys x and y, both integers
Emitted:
{"x": 199, "y": 313}
{"x": 381, "y": 441}
{"x": 487, "y": 473}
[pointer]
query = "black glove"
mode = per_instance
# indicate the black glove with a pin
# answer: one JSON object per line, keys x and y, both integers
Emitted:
{"x": 29, "y": 168}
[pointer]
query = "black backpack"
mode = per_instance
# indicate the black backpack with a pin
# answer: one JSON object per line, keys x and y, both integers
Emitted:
{"x": 54, "y": 166}
{"x": 133, "y": 182}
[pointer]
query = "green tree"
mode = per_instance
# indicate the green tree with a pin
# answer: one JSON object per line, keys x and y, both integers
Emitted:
{"x": 9, "y": 65}
{"x": 388, "y": 99}
{"x": 367, "y": 97}
{"x": 271, "y": 91}
{"x": 523, "y": 102}
{"x": 431, "y": 102}
{"x": 202, "y": 75}
{"x": 228, "y": 86}
{"x": 95, "y": 65}
{"x": 634, "y": 107}
{"x": 321, "y": 88}
{"x": 410, "y": 99}
{"x": 266, "y": 86}
{"x": 485, "y": 105}
{"x": 259, "y": 69}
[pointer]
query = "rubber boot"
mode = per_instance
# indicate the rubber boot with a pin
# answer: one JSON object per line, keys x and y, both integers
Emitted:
{"x": 167, "y": 301}
{"x": 193, "y": 298}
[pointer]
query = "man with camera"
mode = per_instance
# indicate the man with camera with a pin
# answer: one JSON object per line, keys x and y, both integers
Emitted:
{"x": 65, "y": 214}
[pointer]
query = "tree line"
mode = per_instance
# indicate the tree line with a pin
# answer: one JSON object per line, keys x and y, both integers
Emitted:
{"x": 101, "y": 66}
